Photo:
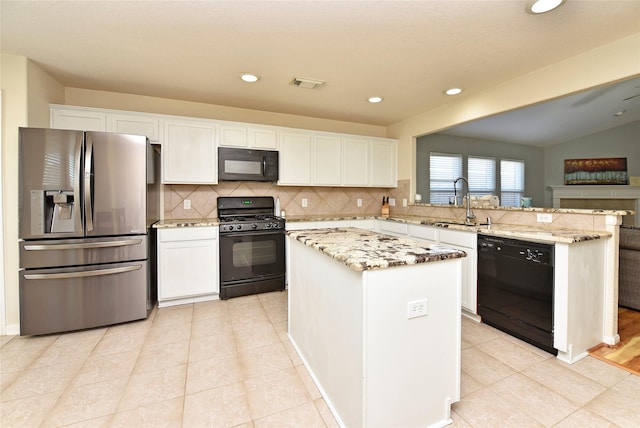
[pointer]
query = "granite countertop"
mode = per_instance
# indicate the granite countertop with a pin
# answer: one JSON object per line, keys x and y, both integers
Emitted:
{"x": 362, "y": 250}
{"x": 506, "y": 230}
{"x": 186, "y": 222}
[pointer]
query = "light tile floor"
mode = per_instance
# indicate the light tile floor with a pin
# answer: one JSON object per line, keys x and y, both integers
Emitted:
{"x": 229, "y": 363}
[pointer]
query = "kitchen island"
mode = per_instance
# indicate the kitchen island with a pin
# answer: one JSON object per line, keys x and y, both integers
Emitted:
{"x": 376, "y": 320}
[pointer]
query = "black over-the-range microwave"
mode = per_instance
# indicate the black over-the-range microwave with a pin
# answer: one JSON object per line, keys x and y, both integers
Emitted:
{"x": 247, "y": 164}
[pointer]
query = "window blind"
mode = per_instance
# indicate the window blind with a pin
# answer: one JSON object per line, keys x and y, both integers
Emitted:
{"x": 511, "y": 182}
{"x": 481, "y": 175}
{"x": 443, "y": 170}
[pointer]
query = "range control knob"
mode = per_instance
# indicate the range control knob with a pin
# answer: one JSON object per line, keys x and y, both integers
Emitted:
{"x": 254, "y": 226}
{"x": 239, "y": 227}
{"x": 230, "y": 227}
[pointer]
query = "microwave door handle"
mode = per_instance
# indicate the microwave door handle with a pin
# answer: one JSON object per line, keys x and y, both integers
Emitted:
{"x": 264, "y": 166}
{"x": 88, "y": 181}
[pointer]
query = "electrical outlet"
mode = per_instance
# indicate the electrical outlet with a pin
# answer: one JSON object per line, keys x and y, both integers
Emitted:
{"x": 392, "y": 202}
{"x": 544, "y": 217}
{"x": 304, "y": 202}
{"x": 404, "y": 202}
{"x": 187, "y": 204}
{"x": 359, "y": 202}
{"x": 417, "y": 308}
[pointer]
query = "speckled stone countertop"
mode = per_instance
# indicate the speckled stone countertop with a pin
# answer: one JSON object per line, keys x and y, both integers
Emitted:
{"x": 362, "y": 250}
{"x": 187, "y": 222}
{"x": 506, "y": 230}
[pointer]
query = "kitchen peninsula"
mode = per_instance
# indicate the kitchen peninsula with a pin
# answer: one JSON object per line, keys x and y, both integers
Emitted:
{"x": 376, "y": 320}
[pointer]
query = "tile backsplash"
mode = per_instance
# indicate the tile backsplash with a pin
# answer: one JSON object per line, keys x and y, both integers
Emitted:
{"x": 320, "y": 200}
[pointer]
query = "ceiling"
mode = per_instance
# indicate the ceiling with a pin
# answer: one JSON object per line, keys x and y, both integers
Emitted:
{"x": 405, "y": 51}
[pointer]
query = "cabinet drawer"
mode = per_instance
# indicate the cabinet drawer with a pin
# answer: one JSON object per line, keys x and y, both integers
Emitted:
{"x": 393, "y": 227}
{"x": 187, "y": 234}
{"x": 423, "y": 232}
{"x": 455, "y": 237}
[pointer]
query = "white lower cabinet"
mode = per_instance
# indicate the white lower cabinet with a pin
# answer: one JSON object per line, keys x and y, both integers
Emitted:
{"x": 187, "y": 265}
{"x": 467, "y": 242}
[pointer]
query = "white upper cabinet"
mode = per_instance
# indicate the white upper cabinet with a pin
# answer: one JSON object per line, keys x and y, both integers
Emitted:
{"x": 135, "y": 124}
{"x": 78, "y": 119}
{"x": 263, "y": 138}
{"x": 248, "y": 136}
{"x": 233, "y": 135}
{"x": 295, "y": 158}
{"x": 355, "y": 162}
{"x": 189, "y": 152}
{"x": 383, "y": 171}
{"x": 327, "y": 157}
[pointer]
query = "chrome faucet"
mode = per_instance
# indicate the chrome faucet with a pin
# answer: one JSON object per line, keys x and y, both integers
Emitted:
{"x": 469, "y": 214}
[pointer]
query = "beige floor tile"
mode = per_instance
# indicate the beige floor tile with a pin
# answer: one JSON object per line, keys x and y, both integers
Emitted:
{"x": 225, "y": 406}
{"x": 210, "y": 309}
{"x": 620, "y": 404}
{"x": 106, "y": 367}
{"x": 151, "y": 387}
{"x": 27, "y": 412}
{"x": 599, "y": 371}
{"x": 210, "y": 326}
{"x": 483, "y": 367}
{"x": 274, "y": 298}
{"x": 102, "y": 422}
{"x": 305, "y": 415}
{"x": 485, "y": 409}
{"x": 11, "y": 361}
{"x": 325, "y": 413}
{"x": 162, "y": 356}
{"x": 309, "y": 384}
{"x": 86, "y": 402}
{"x": 167, "y": 414}
{"x": 6, "y": 339}
{"x": 511, "y": 353}
{"x": 293, "y": 354}
{"x": 72, "y": 337}
{"x": 178, "y": 314}
{"x": 66, "y": 351}
{"x": 264, "y": 360}
{"x": 538, "y": 401}
{"x": 275, "y": 392}
{"x": 162, "y": 335}
{"x": 7, "y": 379}
{"x": 218, "y": 345}
{"x": 458, "y": 421}
{"x": 213, "y": 373}
{"x": 282, "y": 329}
{"x": 468, "y": 384}
{"x": 119, "y": 342}
{"x": 29, "y": 343}
{"x": 475, "y": 333}
{"x": 250, "y": 336}
{"x": 570, "y": 384}
{"x": 40, "y": 380}
{"x": 133, "y": 327}
{"x": 585, "y": 419}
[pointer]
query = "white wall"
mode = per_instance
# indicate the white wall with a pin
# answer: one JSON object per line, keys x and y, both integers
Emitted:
{"x": 620, "y": 142}
{"x": 608, "y": 63}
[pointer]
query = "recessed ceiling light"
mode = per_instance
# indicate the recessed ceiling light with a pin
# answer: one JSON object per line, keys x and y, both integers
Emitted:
{"x": 542, "y": 6}
{"x": 453, "y": 91}
{"x": 619, "y": 113}
{"x": 249, "y": 78}
{"x": 375, "y": 100}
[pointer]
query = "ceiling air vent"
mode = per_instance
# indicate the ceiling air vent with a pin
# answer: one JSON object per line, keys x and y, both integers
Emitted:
{"x": 303, "y": 82}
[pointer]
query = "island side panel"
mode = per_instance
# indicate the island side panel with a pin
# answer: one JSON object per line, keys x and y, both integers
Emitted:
{"x": 326, "y": 328}
{"x": 412, "y": 366}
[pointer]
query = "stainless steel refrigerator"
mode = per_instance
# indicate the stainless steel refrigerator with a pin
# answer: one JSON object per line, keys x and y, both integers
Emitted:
{"x": 87, "y": 201}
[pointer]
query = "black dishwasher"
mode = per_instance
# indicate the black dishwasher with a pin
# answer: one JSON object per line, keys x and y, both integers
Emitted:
{"x": 515, "y": 288}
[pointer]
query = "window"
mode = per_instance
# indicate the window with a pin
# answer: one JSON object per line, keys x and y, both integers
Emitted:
{"x": 511, "y": 182}
{"x": 443, "y": 170}
{"x": 482, "y": 176}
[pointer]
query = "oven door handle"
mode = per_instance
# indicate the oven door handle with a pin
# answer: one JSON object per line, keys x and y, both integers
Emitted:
{"x": 252, "y": 233}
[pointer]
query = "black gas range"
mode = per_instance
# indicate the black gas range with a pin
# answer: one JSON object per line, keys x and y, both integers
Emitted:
{"x": 252, "y": 246}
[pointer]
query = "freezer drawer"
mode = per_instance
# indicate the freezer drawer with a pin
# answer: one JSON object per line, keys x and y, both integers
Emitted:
{"x": 84, "y": 251}
{"x": 66, "y": 299}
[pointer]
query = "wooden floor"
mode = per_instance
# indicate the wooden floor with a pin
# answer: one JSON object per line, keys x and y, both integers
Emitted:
{"x": 626, "y": 353}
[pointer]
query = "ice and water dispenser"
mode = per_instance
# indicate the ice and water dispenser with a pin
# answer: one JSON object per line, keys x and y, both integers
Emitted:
{"x": 52, "y": 211}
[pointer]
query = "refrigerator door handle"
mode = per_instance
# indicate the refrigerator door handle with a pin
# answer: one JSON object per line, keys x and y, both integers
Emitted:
{"x": 88, "y": 182}
{"x": 83, "y": 274}
{"x": 86, "y": 245}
